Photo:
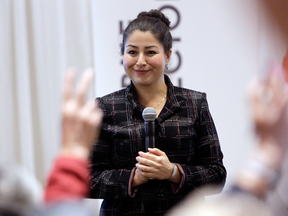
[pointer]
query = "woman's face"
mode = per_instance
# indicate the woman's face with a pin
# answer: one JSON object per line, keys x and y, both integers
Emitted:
{"x": 144, "y": 58}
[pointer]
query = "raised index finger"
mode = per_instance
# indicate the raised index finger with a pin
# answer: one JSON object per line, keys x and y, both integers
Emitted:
{"x": 68, "y": 84}
{"x": 83, "y": 86}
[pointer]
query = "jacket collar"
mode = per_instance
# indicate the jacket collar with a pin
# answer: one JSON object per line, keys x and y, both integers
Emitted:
{"x": 172, "y": 104}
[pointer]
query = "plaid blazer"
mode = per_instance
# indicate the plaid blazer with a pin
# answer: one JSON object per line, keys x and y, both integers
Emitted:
{"x": 184, "y": 130}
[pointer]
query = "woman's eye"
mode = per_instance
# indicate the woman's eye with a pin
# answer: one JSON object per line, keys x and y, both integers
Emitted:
{"x": 151, "y": 52}
{"x": 132, "y": 52}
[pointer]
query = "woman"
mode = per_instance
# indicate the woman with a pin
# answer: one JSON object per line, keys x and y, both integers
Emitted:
{"x": 187, "y": 153}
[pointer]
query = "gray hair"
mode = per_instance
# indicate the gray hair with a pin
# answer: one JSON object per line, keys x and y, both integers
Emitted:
{"x": 19, "y": 190}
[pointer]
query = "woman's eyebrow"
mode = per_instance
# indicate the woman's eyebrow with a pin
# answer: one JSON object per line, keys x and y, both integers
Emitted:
{"x": 130, "y": 45}
{"x": 147, "y": 47}
{"x": 152, "y": 46}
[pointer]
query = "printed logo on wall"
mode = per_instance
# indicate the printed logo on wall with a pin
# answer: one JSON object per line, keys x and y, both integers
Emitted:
{"x": 176, "y": 56}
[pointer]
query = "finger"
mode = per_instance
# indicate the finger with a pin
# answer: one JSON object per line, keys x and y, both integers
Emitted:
{"x": 83, "y": 86}
{"x": 278, "y": 86}
{"x": 277, "y": 81}
{"x": 142, "y": 173}
{"x": 87, "y": 111}
{"x": 68, "y": 84}
{"x": 89, "y": 106}
{"x": 96, "y": 103}
{"x": 148, "y": 156}
{"x": 142, "y": 168}
{"x": 146, "y": 162}
{"x": 156, "y": 151}
{"x": 285, "y": 98}
{"x": 96, "y": 115}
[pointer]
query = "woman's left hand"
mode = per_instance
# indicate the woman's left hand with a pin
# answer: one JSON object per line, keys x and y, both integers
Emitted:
{"x": 154, "y": 164}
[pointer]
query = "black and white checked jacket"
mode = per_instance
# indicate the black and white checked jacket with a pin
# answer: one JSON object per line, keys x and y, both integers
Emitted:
{"x": 184, "y": 130}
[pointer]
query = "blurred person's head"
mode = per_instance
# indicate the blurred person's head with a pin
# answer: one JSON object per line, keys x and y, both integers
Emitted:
{"x": 231, "y": 204}
{"x": 19, "y": 190}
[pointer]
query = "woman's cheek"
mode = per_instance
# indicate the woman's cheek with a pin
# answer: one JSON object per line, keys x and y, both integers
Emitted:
{"x": 128, "y": 61}
{"x": 157, "y": 62}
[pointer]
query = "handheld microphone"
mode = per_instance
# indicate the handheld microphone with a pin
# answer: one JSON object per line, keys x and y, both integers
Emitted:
{"x": 149, "y": 114}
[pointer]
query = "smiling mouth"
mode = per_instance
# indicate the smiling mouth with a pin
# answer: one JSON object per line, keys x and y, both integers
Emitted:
{"x": 141, "y": 71}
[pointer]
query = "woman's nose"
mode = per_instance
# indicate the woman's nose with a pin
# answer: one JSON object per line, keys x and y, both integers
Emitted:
{"x": 141, "y": 60}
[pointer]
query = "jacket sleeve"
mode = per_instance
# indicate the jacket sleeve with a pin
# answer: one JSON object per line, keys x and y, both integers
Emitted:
{"x": 208, "y": 168}
{"x": 106, "y": 182}
{"x": 67, "y": 181}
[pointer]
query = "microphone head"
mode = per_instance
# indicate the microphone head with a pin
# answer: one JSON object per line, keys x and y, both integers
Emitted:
{"x": 149, "y": 114}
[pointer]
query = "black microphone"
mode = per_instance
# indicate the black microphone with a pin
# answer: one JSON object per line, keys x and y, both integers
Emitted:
{"x": 149, "y": 114}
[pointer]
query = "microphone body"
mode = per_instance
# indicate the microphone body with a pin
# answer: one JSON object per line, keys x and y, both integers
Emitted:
{"x": 149, "y": 115}
{"x": 149, "y": 134}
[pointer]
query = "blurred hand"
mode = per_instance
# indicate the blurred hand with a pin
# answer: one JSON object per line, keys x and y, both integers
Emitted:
{"x": 154, "y": 164}
{"x": 268, "y": 103}
{"x": 81, "y": 118}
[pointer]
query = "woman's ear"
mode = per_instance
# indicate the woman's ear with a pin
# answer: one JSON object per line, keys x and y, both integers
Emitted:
{"x": 168, "y": 56}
